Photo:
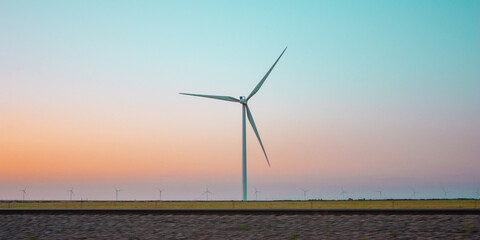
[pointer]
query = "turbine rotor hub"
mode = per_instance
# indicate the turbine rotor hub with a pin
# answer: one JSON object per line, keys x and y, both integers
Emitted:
{"x": 243, "y": 100}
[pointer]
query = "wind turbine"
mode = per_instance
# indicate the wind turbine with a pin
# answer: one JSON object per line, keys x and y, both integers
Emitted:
{"x": 160, "y": 193}
{"x": 24, "y": 193}
{"x": 343, "y": 193}
{"x": 71, "y": 193}
{"x": 380, "y": 192}
{"x": 207, "y": 192}
{"x": 256, "y": 192}
{"x": 414, "y": 193}
{"x": 478, "y": 193}
{"x": 445, "y": 192}
{"x": 116, "y": 193}
{"x": 245, "y": 110}
{"x": 304, "y": 193}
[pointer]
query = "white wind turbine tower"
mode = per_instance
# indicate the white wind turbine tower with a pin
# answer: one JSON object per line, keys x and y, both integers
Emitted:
{"x": 160, "y": 193}
{"x": 206, "y": 193}
{"x": 24, "y": 191}
{"x": 256, "y": 192}
{"x": 71, "y": 193}
{"x": 343, "y": 193}
{"x": 116, "y": 193}
{"x": 245, "y": 111}
{"x": 304, "y": 193}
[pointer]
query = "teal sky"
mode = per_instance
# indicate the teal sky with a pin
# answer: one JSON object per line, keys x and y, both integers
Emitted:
{"x": 369, "y": 95}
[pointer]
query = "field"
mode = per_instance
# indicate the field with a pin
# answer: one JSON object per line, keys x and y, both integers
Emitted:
{"x": 446, "y": 203}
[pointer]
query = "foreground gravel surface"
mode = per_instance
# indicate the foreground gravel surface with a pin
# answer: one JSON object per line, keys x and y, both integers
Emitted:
{"x": 145, "y": 226}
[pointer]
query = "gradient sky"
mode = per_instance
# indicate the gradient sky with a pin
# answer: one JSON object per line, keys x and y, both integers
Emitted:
{"x": 369, "y": 95}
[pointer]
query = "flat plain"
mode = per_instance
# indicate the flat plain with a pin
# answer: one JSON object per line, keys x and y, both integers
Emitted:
{"x": 317, "y": 204}
{"x": 103, "y": 225}
{"x": 242, "y": 227}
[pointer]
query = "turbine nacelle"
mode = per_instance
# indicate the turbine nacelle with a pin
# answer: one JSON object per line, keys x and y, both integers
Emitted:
{"x": 243, "y": 100}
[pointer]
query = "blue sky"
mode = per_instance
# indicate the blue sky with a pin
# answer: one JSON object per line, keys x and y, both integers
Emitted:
{"x": 367, "y": 90}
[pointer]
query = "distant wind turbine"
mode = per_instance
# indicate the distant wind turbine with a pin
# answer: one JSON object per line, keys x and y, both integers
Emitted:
{"x": 245, "y": 110}
{"x": 304, "y": 193}
{"x": 343, "y": 193}
{"x": 207, "y": 192}
{"x": 256, "y": 192}
{"x": 24, "y": 193}
{"x": 414, "y": 193}
{"x": 478, "y": 193}
{"x": 71, "y": 193}
{"x": 445, "y": 192}
{"x": 160, "y": 193}
{"x": 380, "y": 192}
{"x": 116, "y": 193}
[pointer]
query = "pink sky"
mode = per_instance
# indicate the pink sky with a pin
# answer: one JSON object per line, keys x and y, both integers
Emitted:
{"x": 366, "y": 96}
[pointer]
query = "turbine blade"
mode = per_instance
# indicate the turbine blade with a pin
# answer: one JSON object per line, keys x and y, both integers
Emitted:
{"x": 250, "y": 119}
{"x": 225, "y": 98}
{"x": 259, "y": 85}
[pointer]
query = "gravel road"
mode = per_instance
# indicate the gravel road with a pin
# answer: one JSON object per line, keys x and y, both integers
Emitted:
{"x": 145, "y": 226}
